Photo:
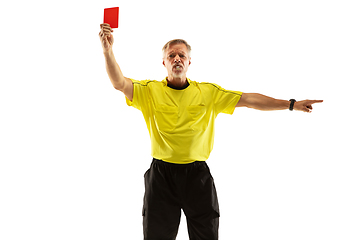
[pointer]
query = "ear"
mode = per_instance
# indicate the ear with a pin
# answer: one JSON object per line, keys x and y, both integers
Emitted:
{"x": 164, "y": 62}
{"x": 189, "y": 61}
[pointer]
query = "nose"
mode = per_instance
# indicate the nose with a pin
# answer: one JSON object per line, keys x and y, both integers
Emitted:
{"x": 177, "y": 59}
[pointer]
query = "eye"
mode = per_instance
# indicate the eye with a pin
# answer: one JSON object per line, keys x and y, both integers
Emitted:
{"x": 171, "y": 55}
{"x": 182, "y": 55}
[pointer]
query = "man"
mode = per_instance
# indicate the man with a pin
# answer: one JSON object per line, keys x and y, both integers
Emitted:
{"x": 180, "y": 116}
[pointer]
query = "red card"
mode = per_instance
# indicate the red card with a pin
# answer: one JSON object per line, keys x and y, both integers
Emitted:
{"x": 111, "y": 16}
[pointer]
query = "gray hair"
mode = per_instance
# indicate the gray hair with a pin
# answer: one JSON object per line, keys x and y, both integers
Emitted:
{"x": 176, "y": 41}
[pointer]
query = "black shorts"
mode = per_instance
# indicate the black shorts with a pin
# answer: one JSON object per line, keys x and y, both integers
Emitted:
{"x": 171, "y": 187}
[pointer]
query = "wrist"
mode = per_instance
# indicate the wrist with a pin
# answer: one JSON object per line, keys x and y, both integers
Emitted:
{"x": 292, "y": 104}
{"x": 109, "y": 55}
{"x": 108, "y": 52}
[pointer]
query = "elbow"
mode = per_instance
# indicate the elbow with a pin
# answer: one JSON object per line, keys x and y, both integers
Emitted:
{"x": 118, "y": 86}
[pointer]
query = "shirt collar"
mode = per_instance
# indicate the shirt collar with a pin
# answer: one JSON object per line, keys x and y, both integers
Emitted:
{"x": 165, "y": 81}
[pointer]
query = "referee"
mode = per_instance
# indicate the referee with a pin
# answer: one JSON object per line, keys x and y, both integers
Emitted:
{"x": 180, "y": 116}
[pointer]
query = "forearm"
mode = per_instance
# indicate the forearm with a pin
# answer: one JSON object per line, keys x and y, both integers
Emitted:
{"x": 264, "y": 103}
{"x": 113, "y": 70}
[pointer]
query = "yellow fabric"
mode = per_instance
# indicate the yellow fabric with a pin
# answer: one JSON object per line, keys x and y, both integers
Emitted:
{"x": 181, "y": 122}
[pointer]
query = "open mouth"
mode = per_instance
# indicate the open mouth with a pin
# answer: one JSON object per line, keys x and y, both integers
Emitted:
{"x": 177, "y": 67}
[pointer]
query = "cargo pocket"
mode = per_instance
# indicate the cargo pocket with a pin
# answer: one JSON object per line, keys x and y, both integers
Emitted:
{"x": 143, "y": 212}
{"x": 216, "y": 214}
{"x": 146, "y": 173}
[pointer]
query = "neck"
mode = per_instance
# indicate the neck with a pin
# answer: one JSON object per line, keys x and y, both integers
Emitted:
{"x": 179, "y": 83}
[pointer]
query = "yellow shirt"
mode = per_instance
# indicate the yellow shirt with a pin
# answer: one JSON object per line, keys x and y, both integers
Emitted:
{"x": 181, "y": 122}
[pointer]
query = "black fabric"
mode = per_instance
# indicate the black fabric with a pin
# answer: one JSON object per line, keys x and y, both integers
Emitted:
{"x": 178, "y": 88}
{"x": 171, "y": 187}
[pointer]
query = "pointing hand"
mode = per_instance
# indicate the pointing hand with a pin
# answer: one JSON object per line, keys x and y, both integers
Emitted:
{"x": 305, "y": 105}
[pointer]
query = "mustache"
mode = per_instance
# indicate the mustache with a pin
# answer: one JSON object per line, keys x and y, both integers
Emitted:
{"x": 177, "y": 64}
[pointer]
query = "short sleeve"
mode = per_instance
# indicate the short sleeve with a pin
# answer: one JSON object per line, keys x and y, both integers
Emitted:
{"x": 225, "y": 101}
{"x": 140, "y": 95}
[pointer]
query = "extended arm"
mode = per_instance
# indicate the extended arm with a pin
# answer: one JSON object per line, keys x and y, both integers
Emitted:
{"x": 265, "y": 103}
{"x": 117, "y": 79}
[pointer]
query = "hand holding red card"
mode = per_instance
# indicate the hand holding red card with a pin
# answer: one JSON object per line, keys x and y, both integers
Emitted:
{"x": 111, "y": 16}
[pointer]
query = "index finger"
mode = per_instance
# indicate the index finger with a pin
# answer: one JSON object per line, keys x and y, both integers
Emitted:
{"x": 105, "y": 25}
{"x": 316, "y": 101}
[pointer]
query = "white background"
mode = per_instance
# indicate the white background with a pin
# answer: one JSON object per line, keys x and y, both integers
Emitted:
{"x": 73, "y": 154}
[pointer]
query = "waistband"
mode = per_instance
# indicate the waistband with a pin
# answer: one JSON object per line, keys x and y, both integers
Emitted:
{"x": 177, "y": 165}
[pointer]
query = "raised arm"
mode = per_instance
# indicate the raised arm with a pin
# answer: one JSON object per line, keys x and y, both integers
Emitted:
{"x": 117, "y": 79}
{"x": 265, "y": 103}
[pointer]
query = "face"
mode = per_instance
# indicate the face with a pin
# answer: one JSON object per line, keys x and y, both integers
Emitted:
{"x": 177, "y": 60}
